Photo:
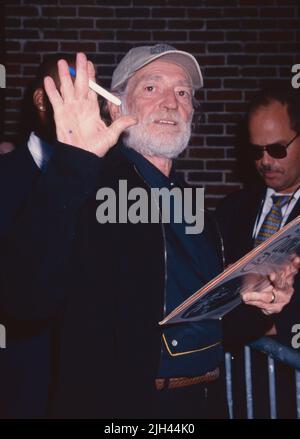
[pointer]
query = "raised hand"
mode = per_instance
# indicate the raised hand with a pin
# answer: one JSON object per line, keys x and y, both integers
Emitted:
{"x": 76, "y": 110}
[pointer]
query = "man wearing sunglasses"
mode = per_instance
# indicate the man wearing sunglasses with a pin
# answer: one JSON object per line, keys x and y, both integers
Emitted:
{"x": 249, "y": 216}
{"x": 273, "y": 124}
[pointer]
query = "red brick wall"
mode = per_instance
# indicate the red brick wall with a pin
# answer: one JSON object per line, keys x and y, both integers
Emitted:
{"x": 241, "y": 44}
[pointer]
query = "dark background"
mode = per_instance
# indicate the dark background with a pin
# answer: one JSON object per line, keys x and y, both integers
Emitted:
{"x": 242, "y": 45}
{"x": 1, "y": 62}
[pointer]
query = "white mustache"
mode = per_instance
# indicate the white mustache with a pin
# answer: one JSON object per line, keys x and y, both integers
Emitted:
{"x": 167, "y": 117}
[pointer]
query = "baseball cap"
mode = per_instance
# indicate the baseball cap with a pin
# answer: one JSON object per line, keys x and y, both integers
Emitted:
{"x": 139, "y": 57}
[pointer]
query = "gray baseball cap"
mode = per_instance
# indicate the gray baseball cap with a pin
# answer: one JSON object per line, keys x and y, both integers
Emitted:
{"x": 139, "y": 57}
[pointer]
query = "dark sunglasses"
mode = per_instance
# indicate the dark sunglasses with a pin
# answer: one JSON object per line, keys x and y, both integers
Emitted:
{"x": 275, "y": 150}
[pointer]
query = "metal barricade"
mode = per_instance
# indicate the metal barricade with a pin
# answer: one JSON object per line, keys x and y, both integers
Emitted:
{"x": 276, "y": 352}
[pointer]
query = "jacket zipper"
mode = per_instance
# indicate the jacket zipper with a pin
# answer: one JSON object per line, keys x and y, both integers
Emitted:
{"x": 165, "y": 245}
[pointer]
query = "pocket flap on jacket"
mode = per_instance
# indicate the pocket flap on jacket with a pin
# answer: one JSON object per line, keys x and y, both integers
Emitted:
{"x": 192, "y": 337}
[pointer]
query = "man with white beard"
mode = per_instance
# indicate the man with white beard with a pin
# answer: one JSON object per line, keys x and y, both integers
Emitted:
{"x": 114, "y": 282}
{"x": 164, "y": 143}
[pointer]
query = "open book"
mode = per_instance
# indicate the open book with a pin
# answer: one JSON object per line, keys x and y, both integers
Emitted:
{"x": 223, "y": 293}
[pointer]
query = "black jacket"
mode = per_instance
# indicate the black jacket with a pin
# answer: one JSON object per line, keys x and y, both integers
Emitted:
{"x": 107, "y": 280}
{"x": 25, "y": 362}
{"x": 18, "y": 175}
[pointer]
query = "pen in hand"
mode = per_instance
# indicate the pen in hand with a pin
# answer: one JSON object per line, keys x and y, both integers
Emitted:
{"x": 100, "y": 90}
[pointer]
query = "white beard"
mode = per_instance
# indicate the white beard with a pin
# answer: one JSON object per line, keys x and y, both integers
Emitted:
{"x": 162, "y": 144}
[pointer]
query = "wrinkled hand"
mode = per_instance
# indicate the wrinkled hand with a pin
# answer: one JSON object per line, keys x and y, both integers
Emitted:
{"x": 76, "y": 110}
{"x": 278, "y": 292}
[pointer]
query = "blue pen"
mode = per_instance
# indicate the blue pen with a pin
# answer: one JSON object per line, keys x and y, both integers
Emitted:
{"x": 72, "y": 71}
{"x": 100, "y": 90}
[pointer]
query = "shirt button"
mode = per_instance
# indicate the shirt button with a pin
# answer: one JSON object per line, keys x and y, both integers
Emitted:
{"x": 172, "y": 183}
{"x": 174, "y": 342}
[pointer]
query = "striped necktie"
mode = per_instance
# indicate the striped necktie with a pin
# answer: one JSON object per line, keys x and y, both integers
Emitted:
{"x": 273, "y": 219}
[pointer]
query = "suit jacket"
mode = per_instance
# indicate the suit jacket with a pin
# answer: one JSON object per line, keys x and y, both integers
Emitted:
{"x": 236, "y": 216}
{"x": 108, "y": 280}
{"x": 24, "y": 363}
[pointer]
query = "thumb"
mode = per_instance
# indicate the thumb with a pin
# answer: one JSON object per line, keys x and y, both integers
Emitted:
{"x": 113, "y": 132}
{"x": 272, "y": 277}
{"x": 120, "y": 124}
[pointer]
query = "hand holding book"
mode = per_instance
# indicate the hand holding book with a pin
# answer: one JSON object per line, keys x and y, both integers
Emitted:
{"x": 278, "y": 293}
{"x": 266, "y": 274}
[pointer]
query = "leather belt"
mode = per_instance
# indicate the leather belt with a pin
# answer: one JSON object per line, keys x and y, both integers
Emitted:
{"x": 175, "y": 383}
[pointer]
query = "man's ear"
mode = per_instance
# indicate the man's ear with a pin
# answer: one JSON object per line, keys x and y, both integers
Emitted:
{"x": 39, "y": 99}
{"x": 114, "y": 110}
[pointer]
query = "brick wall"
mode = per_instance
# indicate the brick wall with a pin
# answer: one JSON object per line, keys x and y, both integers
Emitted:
{"x": 242, "y": 45}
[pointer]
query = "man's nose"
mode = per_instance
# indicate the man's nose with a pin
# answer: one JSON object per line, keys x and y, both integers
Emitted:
{"x": 266, "y": 158}
{"x": 169, "y": 100}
